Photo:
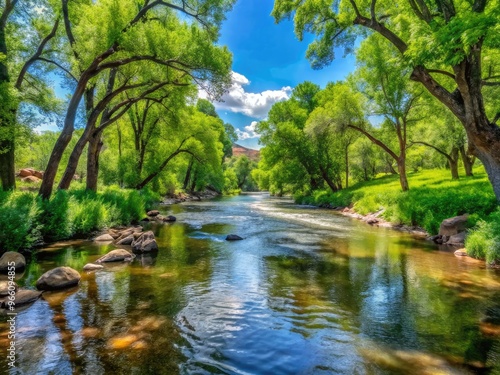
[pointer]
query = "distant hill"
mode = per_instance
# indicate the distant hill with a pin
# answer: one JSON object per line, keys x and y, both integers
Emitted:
{"x": 250, "y": 153}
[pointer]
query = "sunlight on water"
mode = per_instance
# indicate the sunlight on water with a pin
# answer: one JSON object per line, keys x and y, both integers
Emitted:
{"x": 307, "y": 291}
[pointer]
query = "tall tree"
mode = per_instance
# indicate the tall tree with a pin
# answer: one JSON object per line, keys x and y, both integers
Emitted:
{"x": 106, "y": 35}
{"x": 26, "y": 33}
{"x": 444, "y": 43}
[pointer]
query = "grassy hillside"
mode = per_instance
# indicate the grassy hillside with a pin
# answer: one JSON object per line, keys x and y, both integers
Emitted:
{"x": 433, "y": 197}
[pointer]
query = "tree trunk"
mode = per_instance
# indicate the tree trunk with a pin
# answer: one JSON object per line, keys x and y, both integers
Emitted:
{"x": 347, "y": 167}
{"x": 453, "y": 162}
{"x": 328, "y": 180}
{"x": 7, "y": 164}
{"x": 62, "y": 142}
{"x": 94, "y": 150}
{"x": 188, "y": 174}
{"x": 468, "y": 161}
{"x": 402, "y": 172}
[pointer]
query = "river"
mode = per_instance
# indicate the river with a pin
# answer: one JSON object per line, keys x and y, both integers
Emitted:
{"x": 307, "y": 291}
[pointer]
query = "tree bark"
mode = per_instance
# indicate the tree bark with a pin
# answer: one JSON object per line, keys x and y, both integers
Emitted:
{"x": 402, "y": 173}
{"x": 93, "y": 152}
{"x": 328, "y": 180}
{"x": 453, "y": 162}
{"x": 347, "y": 167}
{"x": 468, "y": 161}
{"x": 188, "y": 174}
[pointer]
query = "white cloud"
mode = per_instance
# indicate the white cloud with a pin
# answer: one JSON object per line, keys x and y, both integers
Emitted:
{"x": 255, "y": 105}
{"x": 249, "y": 132}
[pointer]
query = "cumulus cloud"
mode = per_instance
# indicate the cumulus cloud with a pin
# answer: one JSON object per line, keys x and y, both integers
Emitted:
{"x": 255, "y": 105}
{"x": 249, "y": 132}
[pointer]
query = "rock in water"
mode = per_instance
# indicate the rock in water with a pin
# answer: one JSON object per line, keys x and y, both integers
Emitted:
{"x": 145, "y": 242}
{"x": 9, "y": 257}
{"x": 460, "y": 253}
{"x": 58, "y": 278}
{"x": 92, "y": 267}
{"x": 153, "y": 213}
{"x": 104, "y": 237}
{"x": 233, "y": 237}
{"x": 23, "y": 297}
{"x": 127, "y": 240}
{"x": 169, "y": 218}
{"x": 118, "y": 255}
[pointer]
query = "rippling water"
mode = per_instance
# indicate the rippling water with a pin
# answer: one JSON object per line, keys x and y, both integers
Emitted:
{"x": 307, "y": 291}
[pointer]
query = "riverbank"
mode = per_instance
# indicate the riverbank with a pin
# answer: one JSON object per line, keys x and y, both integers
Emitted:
{"x": 432, "y": 198}
{"x": 29, "y": 222}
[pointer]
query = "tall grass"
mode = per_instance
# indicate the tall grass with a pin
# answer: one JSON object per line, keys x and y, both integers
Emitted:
{"x": 26, "y": 220}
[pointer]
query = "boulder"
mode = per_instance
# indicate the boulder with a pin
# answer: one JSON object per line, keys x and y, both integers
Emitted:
{"x": 126, "y": 240}
{"x": 118, "y": 255}
{"x": 457, "y": 239}
{"x": 372, "y": 221}
{"x": 233, "y": 237}
{"x": 145, "y": 219}
{"x": 169, "y": 218}
{"x": 453, "y": 225}
{"x": 31, "y": 179}
{"x": 4, "y": 287}
{"x": 92, "y": 267}
{"x": 145, "y": 242}
{"x": 23, "y": 297}
{"x": 104, "y": 237}
{"x": 114, "y": 233}
{"x": 58, "y": 278}
{"x": 25, "y": 172}
{"x": 9, "y": 257}
{"x": 153, "y": 213}
{"x": 38, "y": 174}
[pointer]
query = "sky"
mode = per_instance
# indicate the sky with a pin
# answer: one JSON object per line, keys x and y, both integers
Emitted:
{"x": 268, "y": 62}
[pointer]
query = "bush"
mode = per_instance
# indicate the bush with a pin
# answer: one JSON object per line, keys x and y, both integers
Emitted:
{"x": 18, "y": 220}
{"x": 54, "y": 217}
{"x": 483, "y": 242}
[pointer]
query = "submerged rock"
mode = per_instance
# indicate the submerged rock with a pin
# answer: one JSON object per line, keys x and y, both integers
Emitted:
{"x": 92, "y": 267}
{"x": 145, "y": 242}
{"x": 58, "y": 278}
{"x": 118, "y": 255}
{"x": 460, "y": 253}
{"x": 233, "y": 237}
{"x": 9, "y": 257}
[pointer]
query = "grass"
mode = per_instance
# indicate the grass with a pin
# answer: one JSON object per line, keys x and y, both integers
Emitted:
{"x": 432, "y": 197}
{"x": 28, "y": 221}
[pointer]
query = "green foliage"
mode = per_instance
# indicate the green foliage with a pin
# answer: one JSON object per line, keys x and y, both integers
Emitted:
{"x": 26, "y": 220}
{"x": 484, "y": 241}
{"x": 18, "y": 220}
{"x": 433, "y": 198}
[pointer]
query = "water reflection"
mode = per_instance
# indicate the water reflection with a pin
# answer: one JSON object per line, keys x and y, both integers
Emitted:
{"x": 307, "y": 292}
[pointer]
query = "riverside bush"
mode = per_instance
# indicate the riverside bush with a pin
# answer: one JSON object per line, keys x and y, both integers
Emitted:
{"x": 484, "y": 241}
{"x": 18, "y": 221}
{"x": 26, "y": 220}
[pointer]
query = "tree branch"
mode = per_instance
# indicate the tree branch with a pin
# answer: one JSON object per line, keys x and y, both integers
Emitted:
{"x": 444, "y": 72}
{"x": 446, "y": 155}
{"x": 375, "y": 141}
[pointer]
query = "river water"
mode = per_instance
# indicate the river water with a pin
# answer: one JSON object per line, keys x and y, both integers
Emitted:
{"x": 307, "y": 291}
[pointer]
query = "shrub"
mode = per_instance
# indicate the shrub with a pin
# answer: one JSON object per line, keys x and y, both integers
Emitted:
{"x": 18, "y": 220}
{"x": 54, "y": 217}
{"x": 484, "y": 241}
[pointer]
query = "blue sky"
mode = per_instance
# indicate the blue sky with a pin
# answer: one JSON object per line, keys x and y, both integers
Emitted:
{"x": 268, "y": 61}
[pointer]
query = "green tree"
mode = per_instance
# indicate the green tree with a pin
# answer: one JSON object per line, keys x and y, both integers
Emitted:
{"x": 107, "y": 35}
{"x": 446, "y": 46}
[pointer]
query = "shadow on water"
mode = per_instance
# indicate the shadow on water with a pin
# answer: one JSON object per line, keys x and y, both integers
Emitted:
{"x": 306, "y": 292}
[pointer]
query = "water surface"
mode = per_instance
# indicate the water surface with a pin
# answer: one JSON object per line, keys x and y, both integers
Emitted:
{"x": 307, "y": 291}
